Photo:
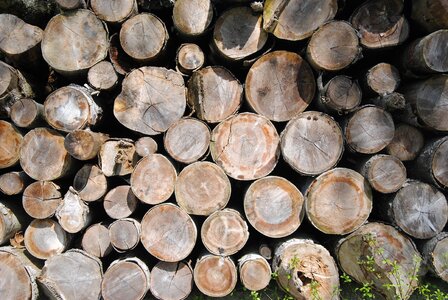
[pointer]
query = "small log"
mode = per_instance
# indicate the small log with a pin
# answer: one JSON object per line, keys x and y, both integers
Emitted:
{"x": 145, "y": 146}
{"x": 312, "y": 143}
{"x": 120, "y": 202}
{"x": 386, "y": 246}
{"x": 84, "y": 144}
{"x": 153, "y": 179}
{"x": 385, "y": 173}
{"x": 117, "y": 157}
{"x": 90, "y": 183}
{"x": 96, "y": 240}
{"x": 280, "y": 85}
{"x": 214, "y": 93}
{"x": 238, "y": 34}
{"x": 126, "y": 278}
{"x": 383, "y": 79}
{"x": 41, "y": 199}
{"x": 83, "y": 33}
{"x": 192, "y": 18}
{"x": 73, "y": 214}
{"x": 341, "y": 94}
{"x": 246, "y": 146}
{"x": 123, "y": 64}
{"x": 265, "y": 251}
{"x": 187, "y": 140}
{"x": 10, "y": 222}
{"x": 334, "y": 46}
{"x": 434, "y": 252}
{"x": 189, "y": 58}
{"x": 202, "y": 188}
{"x": 380, "y": 23}
{"x": 143, "y": 37}
{"x": 71, "y": 4}
{"x": 297, "y": 19}
{"x": 59, "y": 282}
{"x": 102, "y": 76}
{"x": 339, "y": 201}
{"x": 369, "y": 129}
{"x": 215, "y": 276}
{"x": 430, "y": 14}
{"x": 27, "y": 113}
{"x": 124, "y": 234}
{"x": 171, "y": 281}
{"x": 13, "y": 183}
{"x": 45, "y": 238}
{"x": 114, "y": 11}
{"x": 407, "y": 142}
{"x": 306, "y": 270}
{"x": 274, "y": 206}
{"x": 151, "y": 100}
{"x": 224, "y": 232}
{"x": 168, "y": 233}
{"x": 11, "y": 141}
{"x": 255, "y": 272}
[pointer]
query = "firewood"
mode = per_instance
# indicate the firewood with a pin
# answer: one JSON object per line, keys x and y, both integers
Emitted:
{"x": 407, "y": 142}
{"x": 102, "y": 76}
{"x": 145, "y": 146}
{"x": 73, "y": 214}
{"x": 41, "y": 199}
{"x": 13, "y": 183}
{"x": 11, "y": 221}
{"x": 265, "y": 251}
{"x": 45, "y": 238}
{"x": 255, "y": 272}
{"x": 84, "y": 144}
{"x": 341, "y": 94}
{"x": 96, "y": 240}
{"x": 171, "y": 281}
{"x": 114, "y": 11}
{"x": 120, "y": 202}
{"x": 430, "y": 14}
{"x": 117, "y": 157}
{"x": 189, "y": 58}
{"x": 90, "y": 183}
{"x": 192, "y": 18}
{"x": 122, "y": 63}
{"x": 383, "y": 79}
{"x": 215, "y": 276}
{"x": 434, "y": 254}
{"x": 12, "y": 141}
{"x": 125, "y": 234}
{"x": 27, "y": 113}
{"x": 71, "y": 4}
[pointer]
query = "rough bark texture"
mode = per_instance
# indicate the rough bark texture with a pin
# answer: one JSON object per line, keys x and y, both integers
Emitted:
{"x": 45, "y": 238}
{"x": 41, "y": 199}
{"x": 171, "y": 281}
{"x": 215, "y": 276}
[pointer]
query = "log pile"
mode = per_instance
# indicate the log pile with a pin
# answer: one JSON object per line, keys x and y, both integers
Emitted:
{"x": 188, "y": 147}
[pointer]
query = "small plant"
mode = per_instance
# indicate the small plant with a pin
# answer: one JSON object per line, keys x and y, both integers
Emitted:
{"x": 254, "y": 295}
{"x": 314, "y": 288}
{"x": 366, "y": 290}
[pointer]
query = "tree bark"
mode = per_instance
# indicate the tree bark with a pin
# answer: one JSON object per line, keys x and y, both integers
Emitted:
{"x": 125, "y": 234}
{"x": 27, "y": 113}
{"x": 114, "y": 11}
{"x": 11, "y": 140}
{"x": 13, "y": 183}
{"x": 340, "y": 95}
{"x": 192, "y": 24}
{"x": 11, "y": 221}
{"x": 96, "y": 240}
{"x": 120, "y": 202}
{"x": 41, "y": 199}
{"x": 117, "y": 157}
{"x": 255, "y": 272}
{"x": 434, "y": 253}
{"x": 145, "y": 146}
{"x": 84, "y": 144}
{"x": 90, "y": 183}
{"x": 73, "y": 214}
{"x": 171, "y": 281}
{"x": 430, "y": 14}
{"x": 407, "y": 142}
{"x": 102, "y": 76}
{"x": 189, "y": 58}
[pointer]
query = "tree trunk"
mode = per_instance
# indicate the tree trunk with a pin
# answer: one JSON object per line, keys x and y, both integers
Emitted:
{"x": 145, "y": 146}
{"x": 125, "y": 234}
{"x": 264, "y": 206}
{"x": 434, "y": 253}
{"x": 168, "y": 233}
{"x": 312, "y": 143}
{"x": 430, "y": 14}
{"x": 191, "y": 24}
{"x": 280, "y": 85}
{"x": 96, "y": 240}
{"x": 171, "y": 281}
{"x": 10, "y": 221}
{"x": 27, "y": 113}
{"x": 255, "y": 272}
{"x": 407, "y": 142}
{"x": 202, "y": 188}
{"x": 117, "y": 157}
{"x": 102, "y": 76}
{"x": 189, "y": 58}
{"x": 84, "y": 144}
{"x": 382, "y": 79}
{"x": 246, "y": 146}
{"x": 265, "y": 251}
{"x": 120, "y": 202}
{"x": 11, "y": 140}
{"x": 114, "y": 11}
{"x": 13, "y": 183}
{"x": 73, "y": 214}
{"x": 339, "y": 201}
{"x": 71, "y": 4}
{"x": 90, "y": 183}
{"x": 41, "y": 199}
{"x": 341, "y": 94}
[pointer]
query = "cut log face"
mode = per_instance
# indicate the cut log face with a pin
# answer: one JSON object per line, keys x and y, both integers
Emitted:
{"x": 340, "y": 94}
{"x": 439, "y": 164}
{"x": 120, "y": 202}
{"x": 26, "y": 113}
{"x": 171, "y": 281}
{"x": 214, "y": 94}
{"x": 369, "y": 130}
{"x": 435, "y": 254}
{"x": 151, "y": 100}
{"x": 187, "y": 140}
{"x": 238, "y": 33}
{"x": 202, "y": 188}
{"x": 145, "y": 146}
{"x": 80, "y": 31}
{"x": 297, "y": 19}
{"x": 255, "y": 272}
{"x": 102, "y": 76}
{"x": 168, "y": 233}
{"x": 43, "y": 156}
{"x": 117, "y": 157}
{"x": 312, "y": 143}
{"x": 114, "y": 11}
{"x": 59, "y": 282}
{"x": 334, "y": 46}
{"x": 215, "y": 276}
{"x": 11, "y": 142}
{"x": 189, "y": 57}
{"x": 143, "y": 37}
{"x": 41, "y": 199}
{"x": 124, "y": 234}
{"x": 305, "y": 269}
{"x": 246, "y": 146}
{"x": 280, "y": 85}
{"x": 90, "y": 183}
{"x": 407, "y": 142}
{"x": 45, "y": 238}
{"x": 96, "y": 240}
{"x": 9, "y": 224}
{"x": 12, "y": 183}
{"x": 383, "y": 78}
{"x": 8, "y": 79}
{"x": 431, "y": 15}
{"x": 339, "y": 201}
{"x": 224, "y": 232}
{"x": 73, "y": 214}
{"x": 84, "y": 144}
{"x": 274, "y": 206}
{"x": 192, "y": 17}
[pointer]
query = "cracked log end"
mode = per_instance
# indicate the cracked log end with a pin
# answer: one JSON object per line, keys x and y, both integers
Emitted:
{"x": 215, "y": 276}
{"x": 171, "y": 281}
{"x": 41, "y": 199}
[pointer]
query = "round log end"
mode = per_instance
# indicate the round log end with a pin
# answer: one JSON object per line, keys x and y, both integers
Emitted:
{"x": 90, "y": 183}
{"x": 11, "y": 142}
{"x": 383, "y": 78}
{"x": 45, "y": 238}
{"x": 102, "y": 76}
{"x": 96, "y": 240}
{"x": 25, "y": 112}
{"x": 215, "y": 276}
{"x": 255, "y": 272}
{"x": 407, "y": 142}
{"x": 124, "y": 234}
{"x": 41, "y": 199}
{"x": 189, "y": 58}
{"x": 386, "y": 173}
{"x": 120, "y": 202}
{"x": 192, "y": 17}
{"x": 343, "y": 94}
{"x": 171, "y": 281}
{"x": 11, "y": 183}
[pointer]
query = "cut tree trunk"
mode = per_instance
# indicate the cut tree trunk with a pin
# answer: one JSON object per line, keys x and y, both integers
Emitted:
{"x": 215, "y": 276}
{"x": 255, "y": 272}
{"x": 41, "y": 199}
{"x": 214, "y": 94}
{"x": 90, "y": 183}
{"x": 13, "y": 183}
{"x": 11, "y": 221}
{"x": 102, "y": 76}
{"x": 407, "y": 142}
{"x": 296, "y": 20}
{"x": 202, "y": 188}
{"x": 114, "y": 11}
{"x": 341, "y": 94}
{"x": 125, "y": 234}
{"x": 280, "y": 85}
{"x": 84, "y": 144}
{"x": 73, "y": 214}
{"x": 171, "y": 281}
{"x": 246, "y": 146}
{"x": 96, "y": 240}
{"x": 306, "y": 269}
{"x": 274, "y": 206}
{"x": 168, "y": 233}
{"x": 265, "y": 251}
{"x": 27, "y": 113}
{"x": 312, "y": 143}
{"x": 339, "y": 201}
{"x": 71, "y": 4}
{"x": 145, "y": 146}
{"x": 382, "y": 79}
{"x": 117, "y": 157}
{"x": 430, "y": 14}
{"x": 120, "y": 202}
{"x": 189, "y": 58}
{"x": 11, "y": 141}
{"x": 434, "y": 253}
{"x": 192, "y": 18}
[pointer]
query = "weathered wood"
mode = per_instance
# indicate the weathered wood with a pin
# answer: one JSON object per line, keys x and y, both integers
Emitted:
{"x": 280, "y": 85}
{"x": 339, "y": 201}
{"x": 189, "y": 58}
{"x": 312, "y": 143}
{"x": 391, "y": 102}
{"x": 90, "y": 183}
{"x": 383, "y": 79}
{"x": 120, "y": 202}
{"x": 246, "y": 146}
{"x": 114, "y": 11}
{"x": 13, "y": 183}
{"x": 187, "y": 140}
{"x": 45, "y": 238}
{"x": 123, "y": 64}
{"x": 10, "y": 222}
{"x": 126, "y": 278}
{"x": 73, "y": 214}
{"x": 117, "y": 157}
{"x": 214, "y": 93}
{"x": 274, "y": 206}
{"x": 434, "y": 252}
{"x": 145, "y": 146}
{"x": 202, "y": 188}
{"x": 27, "y": 113}
{"x": 81, "y": 32}
{"x": 84, "y": 144}
{"x": 41, "y": 199}
{"x": 11, "y": 141}
{"x": 102, "y": 76}
{"x": 265, "y": 251}
{"x": 125, "y": 234}
{"x": 168, "y": 233}
{"x": 96, "y": 240}
{"x": 171, "y": 281}
{"x": 255, "y": 272}
{"x": 297, "y": 19}
{"x": 407, "y": 142}
{"x": 215, "y": 276}
{"x": 71, "y": 4}
{"x": 192, "y": 18}
{"x": 151, "y": 100}
{"x": 306, "y": 269}
{"x": 430, "y": 14}
{"x": 59, "y": 282}
{"x": 341, "y": 94}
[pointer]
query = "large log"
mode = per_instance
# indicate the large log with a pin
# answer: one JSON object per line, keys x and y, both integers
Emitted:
{"x": 120, "y": 202}
{"x": 171, "y": 281}
{"x": 341, "y": 94}
{"x": 73, "y": 214}
{"x": 430, "y": 14}
{"x": 117, "y": 157}
{"x": 407, "y": 142}
{"x": 192, "y": 18}
{"x": 189, "y": 58}
{"x": 11, "y": 222}
{"x": 96, "y": 240}
{"x": 255, "y": 272}
{"x": 102, "y": 76}
{"x": 90, "y": 183}
{"x": 434, "y": 252}
{"x": 13, "y": 183}
{"x": 125, "y": 234}
{"x": 41, "y": 199}
{"x": 11, "y": 141}
{"x": 27, "y": 113}
{"x": 45, "y": 238}
{"x": 114, "y": 11}
{"x": 84, "y": 144}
